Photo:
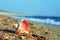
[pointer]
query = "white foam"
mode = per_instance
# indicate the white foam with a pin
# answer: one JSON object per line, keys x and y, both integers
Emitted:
{"x": 47, "y": 21}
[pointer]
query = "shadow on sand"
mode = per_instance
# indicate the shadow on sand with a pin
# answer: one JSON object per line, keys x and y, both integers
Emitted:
{"x": 9, "y": 31}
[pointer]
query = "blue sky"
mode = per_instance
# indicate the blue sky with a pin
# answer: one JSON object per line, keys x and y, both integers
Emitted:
{"x": 32, "y": 7}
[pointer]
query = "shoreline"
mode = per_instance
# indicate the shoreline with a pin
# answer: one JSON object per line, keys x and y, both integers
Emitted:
{"x": 46, "y": 24}
{"x": 37, "y": 22}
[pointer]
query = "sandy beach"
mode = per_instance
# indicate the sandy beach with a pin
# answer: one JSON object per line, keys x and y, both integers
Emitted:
{"x": 37, "y": 31}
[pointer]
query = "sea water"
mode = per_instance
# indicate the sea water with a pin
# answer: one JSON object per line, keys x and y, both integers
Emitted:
{"x": 41, "y": 19}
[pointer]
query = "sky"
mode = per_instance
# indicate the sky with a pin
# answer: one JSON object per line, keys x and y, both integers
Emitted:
{"x": 32, "y": 7}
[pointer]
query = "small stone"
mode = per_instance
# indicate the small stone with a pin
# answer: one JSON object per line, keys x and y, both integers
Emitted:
{"x": 34, "y": 35}
{"x": 46, "y": 32}
{"x": 22, "y": 37}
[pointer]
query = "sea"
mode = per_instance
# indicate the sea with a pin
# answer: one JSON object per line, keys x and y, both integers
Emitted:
{"x": 48, "y": 20}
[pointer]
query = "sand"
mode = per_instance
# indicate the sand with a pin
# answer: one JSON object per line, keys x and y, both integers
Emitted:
{"x": 38, "y": 31}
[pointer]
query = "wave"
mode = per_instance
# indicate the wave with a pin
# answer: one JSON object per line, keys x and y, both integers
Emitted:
{"x": 41, "y": 20}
